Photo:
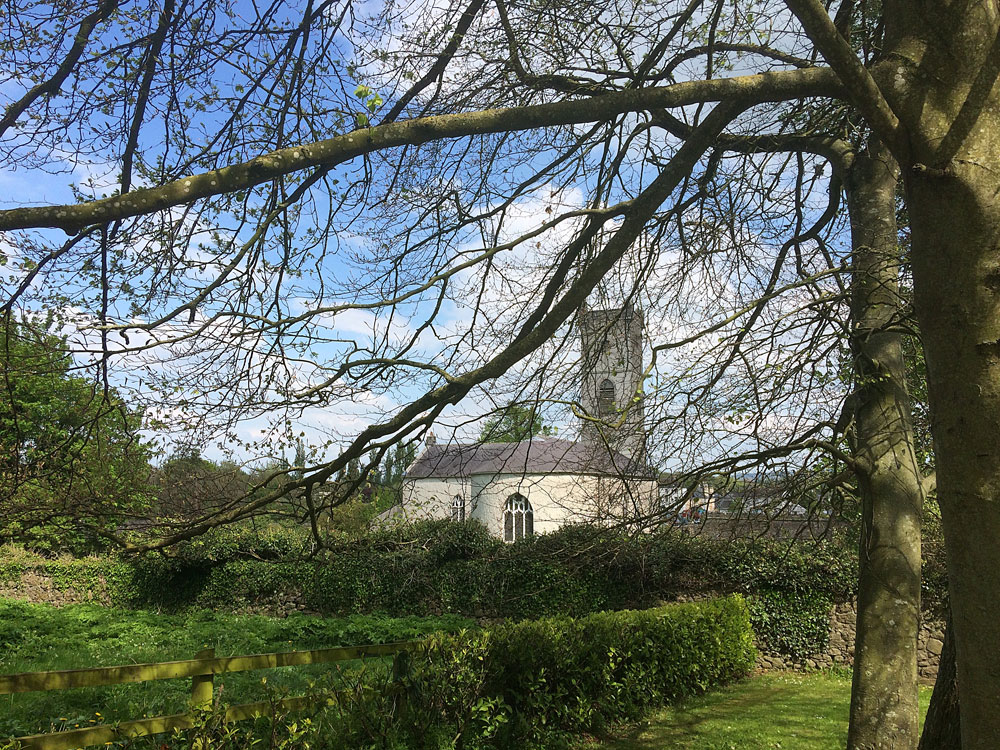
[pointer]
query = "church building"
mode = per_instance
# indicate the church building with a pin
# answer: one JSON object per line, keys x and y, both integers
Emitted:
{"x": 542, "y": 483}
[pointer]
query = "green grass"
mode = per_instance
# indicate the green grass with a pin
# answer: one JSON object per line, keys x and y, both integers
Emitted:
{"x": 36, "y": 637}
{"x": 770, "y": 711}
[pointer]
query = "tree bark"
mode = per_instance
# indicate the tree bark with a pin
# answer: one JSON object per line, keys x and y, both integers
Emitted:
{"x": 957, "y": 296}
{"x": 942, "y": 728}
{"x": 943, "y": 59}
{"x": 884, "y": 710}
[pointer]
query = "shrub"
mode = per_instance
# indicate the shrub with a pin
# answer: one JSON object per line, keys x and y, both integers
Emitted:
{"x": 245, "y": 541}
{"x": 528, "y": 683}
{"x": 434, "y": 567}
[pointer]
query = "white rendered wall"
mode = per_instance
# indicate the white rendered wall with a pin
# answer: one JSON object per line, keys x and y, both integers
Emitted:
{"x": 431, "y": 498}
{"x": 556, "y": 499}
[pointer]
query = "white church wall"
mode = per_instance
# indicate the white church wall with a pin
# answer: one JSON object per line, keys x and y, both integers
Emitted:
{"x": 556, "y": 499}
{"x": 431, "y": 498}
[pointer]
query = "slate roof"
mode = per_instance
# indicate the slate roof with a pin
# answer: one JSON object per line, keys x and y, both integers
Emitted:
{"x": 539, "y": 455}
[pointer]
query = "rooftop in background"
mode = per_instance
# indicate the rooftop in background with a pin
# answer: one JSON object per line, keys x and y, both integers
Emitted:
{"x": 537, "y": 455}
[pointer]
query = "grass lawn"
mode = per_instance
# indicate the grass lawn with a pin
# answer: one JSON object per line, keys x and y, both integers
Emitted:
{"x": 37, "y": 637}
{"x": 775, "y": 710}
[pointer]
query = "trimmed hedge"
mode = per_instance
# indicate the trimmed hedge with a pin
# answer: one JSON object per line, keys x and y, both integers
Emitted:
{"x": 563, "y": 675}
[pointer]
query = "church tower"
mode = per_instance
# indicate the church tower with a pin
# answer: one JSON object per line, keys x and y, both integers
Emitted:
{"x": 611, "y": 379}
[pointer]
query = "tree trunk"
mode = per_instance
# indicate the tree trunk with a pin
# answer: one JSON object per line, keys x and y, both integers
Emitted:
{"x": 942, "y": 730}
{"x": 956, "y": 229}
{"x": 940, "y": 76}
{"x": 884, "y": 710}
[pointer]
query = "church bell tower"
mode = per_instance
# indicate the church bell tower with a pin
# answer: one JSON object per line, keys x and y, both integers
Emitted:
{"x": 611, "y": 379}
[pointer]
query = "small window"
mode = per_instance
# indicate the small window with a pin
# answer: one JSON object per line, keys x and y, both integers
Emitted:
{"x": 518, "y": 518}
{"x": 458, "y": 508}
{"x": 606, "y": 398}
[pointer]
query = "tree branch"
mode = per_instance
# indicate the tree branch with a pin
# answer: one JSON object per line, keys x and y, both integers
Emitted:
{"x": 839, "y": 152}
{"x": 437, "y": 69}
{"x": 638, "y": 213}
{"x": 51, "y": 86}
{"x": 861, "y": 88}
{"x": 764, "y": 87}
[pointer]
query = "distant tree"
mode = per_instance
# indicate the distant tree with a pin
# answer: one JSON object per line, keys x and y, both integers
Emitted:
{"x": 300, "y": 459}
{"x": 386, "y": 473}
{"x": 356, "y": 502}
{"x": 516, "y": 422}
{"x": 352, "y": 517}
{"x": 353, "y": 469}
{"x": 402, "y": 458}
{"x": 188, "y": 484}
{"x": 72, "y": 465}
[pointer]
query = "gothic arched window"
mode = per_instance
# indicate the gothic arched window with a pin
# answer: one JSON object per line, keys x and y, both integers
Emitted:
{"x": 606, "y": 398}
{"x": 518, "y": 518}
{"x": 458, "y": 508}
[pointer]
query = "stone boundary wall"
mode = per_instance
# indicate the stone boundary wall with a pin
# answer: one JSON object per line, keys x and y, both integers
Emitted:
{"x": 38, "y": 588}
{"x": 840, "y": 651}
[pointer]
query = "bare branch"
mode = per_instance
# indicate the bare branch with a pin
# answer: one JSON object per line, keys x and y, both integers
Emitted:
{"x": 748, "y": 90}
{"x": 860, "y": 86}
{"x": 51, "y": 86}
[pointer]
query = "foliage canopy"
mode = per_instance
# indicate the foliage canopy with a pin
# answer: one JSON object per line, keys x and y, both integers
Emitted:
{"x": 72, "y": 462}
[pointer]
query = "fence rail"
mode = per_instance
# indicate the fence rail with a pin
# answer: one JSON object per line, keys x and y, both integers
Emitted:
{"x": 201, "y": 669}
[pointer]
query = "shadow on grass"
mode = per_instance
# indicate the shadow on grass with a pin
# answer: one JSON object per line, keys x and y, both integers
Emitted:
{"x": 777, "y": 710}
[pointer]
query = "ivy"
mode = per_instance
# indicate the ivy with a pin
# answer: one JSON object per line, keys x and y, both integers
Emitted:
{"x": 431, "y": 568}
{"x": 792, "y": 623}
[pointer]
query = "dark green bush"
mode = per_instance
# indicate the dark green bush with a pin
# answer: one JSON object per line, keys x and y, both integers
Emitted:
{"x": 435, "y": 567}
{"x": 245, "y": 541}
{"x": 449, "y": 541}
{"x": 525, "y": 684}
{"x": 827, "y": 568}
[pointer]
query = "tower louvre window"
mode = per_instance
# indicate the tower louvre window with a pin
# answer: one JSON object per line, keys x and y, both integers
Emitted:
{"x": 606, "y": 398}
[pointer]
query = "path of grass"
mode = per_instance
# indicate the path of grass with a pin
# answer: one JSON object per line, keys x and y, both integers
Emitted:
{"x": 776, "y": 710}
{"x": 38, "y": 637}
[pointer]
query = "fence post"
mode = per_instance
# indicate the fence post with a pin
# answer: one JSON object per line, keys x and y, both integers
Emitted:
{"x": 400, "y": 671}
{"x": 202, "y": 685}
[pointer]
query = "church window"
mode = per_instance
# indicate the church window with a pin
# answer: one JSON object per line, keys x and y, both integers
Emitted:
{"x": 458, "y": 508}
{"x": 518, "y": 518}
{"x": 606, "y": 398}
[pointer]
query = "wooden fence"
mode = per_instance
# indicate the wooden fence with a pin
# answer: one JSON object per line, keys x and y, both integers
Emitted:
{"x": 201, "y": 669}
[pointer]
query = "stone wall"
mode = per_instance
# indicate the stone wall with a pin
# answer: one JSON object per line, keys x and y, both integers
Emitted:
{"x": 840, "y": 651}
{"x": 39, "y": 587}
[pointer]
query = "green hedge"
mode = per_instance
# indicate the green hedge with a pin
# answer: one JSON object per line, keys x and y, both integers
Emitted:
{"x": 431, "y": 568}
{"x": 566, "y": 675}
